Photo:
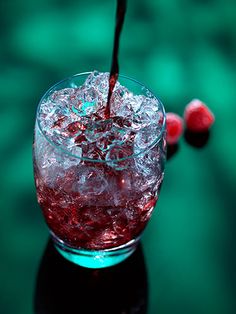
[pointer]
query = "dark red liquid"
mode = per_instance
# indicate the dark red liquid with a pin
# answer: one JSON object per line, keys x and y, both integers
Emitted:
{"x": 90, "y": 221}
{"x": 114, "y": 72}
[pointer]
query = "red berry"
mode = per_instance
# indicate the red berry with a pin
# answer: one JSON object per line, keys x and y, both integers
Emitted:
{"x": 174, "y": 126}
{"x": 197, "y": 116}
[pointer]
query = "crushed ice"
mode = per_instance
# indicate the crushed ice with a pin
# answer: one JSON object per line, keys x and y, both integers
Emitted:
{"x": 73, "y": 118}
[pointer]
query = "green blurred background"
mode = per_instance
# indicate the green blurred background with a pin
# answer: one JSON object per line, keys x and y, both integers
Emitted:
{"x": 181, "y": 50}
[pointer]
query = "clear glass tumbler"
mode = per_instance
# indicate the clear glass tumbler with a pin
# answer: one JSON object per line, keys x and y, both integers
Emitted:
{"x": 97, "y": 207}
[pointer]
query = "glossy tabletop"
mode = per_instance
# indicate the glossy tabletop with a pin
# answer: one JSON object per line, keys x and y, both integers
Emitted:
{"x": 181, "y": 50}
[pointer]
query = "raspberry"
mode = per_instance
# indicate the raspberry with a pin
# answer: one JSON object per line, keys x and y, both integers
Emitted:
{"x": 198, "y": 117}
{"x": 174, "y": 126}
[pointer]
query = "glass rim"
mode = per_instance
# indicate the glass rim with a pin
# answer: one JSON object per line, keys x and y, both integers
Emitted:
{"x": 67, "y": 152}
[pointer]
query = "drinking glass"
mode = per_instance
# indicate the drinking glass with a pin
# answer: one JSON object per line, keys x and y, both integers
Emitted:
{"x": 96, "y": 209}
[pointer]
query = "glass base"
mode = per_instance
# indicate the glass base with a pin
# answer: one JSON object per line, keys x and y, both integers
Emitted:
{"x": 95, "y": 258}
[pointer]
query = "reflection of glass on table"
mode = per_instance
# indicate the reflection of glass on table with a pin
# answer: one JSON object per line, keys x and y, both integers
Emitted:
{"x": 62, "y": 287}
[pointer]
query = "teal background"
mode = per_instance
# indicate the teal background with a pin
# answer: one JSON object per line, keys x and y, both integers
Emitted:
{"x": 181, "y": 50}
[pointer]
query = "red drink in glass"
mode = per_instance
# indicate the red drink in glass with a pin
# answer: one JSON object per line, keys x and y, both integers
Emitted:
{"x": 98, "y": 179}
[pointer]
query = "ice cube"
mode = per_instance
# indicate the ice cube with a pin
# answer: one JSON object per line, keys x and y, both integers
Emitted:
{"x": 118, "y": 104}
{"x": 61, "y": 95}
{"x": 136, "y": 101}
{"x": 75, "y": 128}
{"x": 97, "y": 129}
{"x": 103, "y": 143}
{"x": 90, "y": 181}
{"x": 69, "y": 161}
{"x": 100, "y": 81}
{"x": 145, "y": 137}
{"x": 60, "y": 100}
{"x": 148, "y": 166}
{"x": 117, "y": 157}
{"x": 60, "y": 122}
{"x": 80, "y": 139}
{"x": 122, "y": 122}
{"x": 148, "y": 112}
{"x": 91, "y": 151}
